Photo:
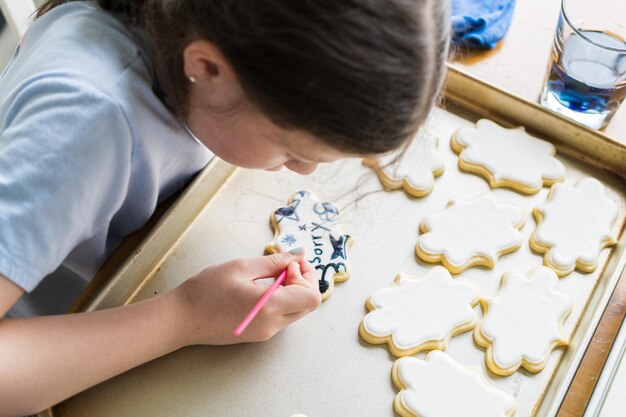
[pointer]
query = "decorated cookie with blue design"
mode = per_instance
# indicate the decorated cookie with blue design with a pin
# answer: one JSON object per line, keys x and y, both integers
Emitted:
{"x": 308, "y": 223}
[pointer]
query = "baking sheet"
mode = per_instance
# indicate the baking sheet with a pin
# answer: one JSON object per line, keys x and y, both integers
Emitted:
{"x": 319, "y": 366}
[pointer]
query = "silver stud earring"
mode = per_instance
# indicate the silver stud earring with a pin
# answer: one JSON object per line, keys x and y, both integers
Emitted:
{"x": 192, "y": 78}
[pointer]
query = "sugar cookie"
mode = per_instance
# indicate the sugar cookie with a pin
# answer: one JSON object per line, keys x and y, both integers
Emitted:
{"x": 522, "y": 323}
{"x": 313, "y": 225}
{"x": 441, "y": 387}
{"x": 417, "y": 314}
{"x": 414, "y": 170}
{"x": 507, "y": 157}
{"x": 573, "y": 226}
{"x": 475, "y": 232}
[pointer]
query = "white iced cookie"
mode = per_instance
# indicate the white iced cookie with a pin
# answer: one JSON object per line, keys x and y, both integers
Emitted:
{"x": 441, "y": 387}
{"x": 474, "y": 232}
{"x": 414, "y": 170}
{"x": 522, "y": 323}
{"x": 417, "y": 314}
{"x": 308, "y": 223}
{"x": 573, "y": 226}
{"x": 507, "y": 157}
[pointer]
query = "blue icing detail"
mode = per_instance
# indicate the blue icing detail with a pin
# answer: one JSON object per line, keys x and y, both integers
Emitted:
{"x": 319, "y": 226}
{"x": 285, "y": 211}
{"x": 336, "y": 267}
{"x": 326, "y": 211}
{"x": 288, "y": 212}
{"x": 339, "y": 246}
{"x": 288, "y": 240}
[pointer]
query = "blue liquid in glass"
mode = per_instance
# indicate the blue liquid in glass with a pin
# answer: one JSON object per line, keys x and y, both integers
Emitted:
{"x": 587, "y": 78}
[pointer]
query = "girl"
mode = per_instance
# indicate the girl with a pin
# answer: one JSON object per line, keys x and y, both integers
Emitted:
{"x": 109, "y": 107}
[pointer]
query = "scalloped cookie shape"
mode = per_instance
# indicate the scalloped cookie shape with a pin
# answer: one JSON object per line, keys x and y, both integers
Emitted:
{"x": 441, "y": 387}
{"x": 474, "y": 232}
{"x": 314, "y": 226}
{"x": 507, "y": 157}
{"x": 417, "y": 314}
{"x": 573, "y": 226}
{"x": 522, "y": 323}
{"x": 414, "y": 170}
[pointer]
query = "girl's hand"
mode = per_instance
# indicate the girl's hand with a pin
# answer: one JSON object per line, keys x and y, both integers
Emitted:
{"x": 217, "y": 299}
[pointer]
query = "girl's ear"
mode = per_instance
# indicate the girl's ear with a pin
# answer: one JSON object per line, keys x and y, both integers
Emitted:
{"x": 213, "y": 81}
{"x": 205, "y": 62}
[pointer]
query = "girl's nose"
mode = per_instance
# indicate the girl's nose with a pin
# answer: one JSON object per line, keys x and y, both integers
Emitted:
{"x": 303, "y": 168}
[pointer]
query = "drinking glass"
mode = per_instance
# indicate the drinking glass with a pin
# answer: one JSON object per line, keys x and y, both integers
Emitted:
{"x": 586, "y": 76}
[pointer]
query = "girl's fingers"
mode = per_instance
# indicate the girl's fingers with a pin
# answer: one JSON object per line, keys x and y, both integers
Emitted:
{"x": 294, "y": 298}
{"x": 292, "y": 317}
{"x": 301, "y": 289}
{"x": 308, "y": 272}
{"x": 296, "y": 275}
{"x": 266, "y": 266}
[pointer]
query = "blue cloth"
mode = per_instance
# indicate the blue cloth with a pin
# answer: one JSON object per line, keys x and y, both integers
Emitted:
{"x": 480, "y": 23}
{"x": 87, "y": 151}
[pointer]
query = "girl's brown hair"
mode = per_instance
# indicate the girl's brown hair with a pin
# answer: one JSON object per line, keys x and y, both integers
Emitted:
{"x": 361, "y": 75}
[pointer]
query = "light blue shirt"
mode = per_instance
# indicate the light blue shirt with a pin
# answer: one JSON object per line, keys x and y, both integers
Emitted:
{"x": 87, "y": 151}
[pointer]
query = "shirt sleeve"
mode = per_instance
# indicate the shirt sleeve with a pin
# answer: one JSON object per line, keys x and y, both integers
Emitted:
{"x": 65, "y": 153}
